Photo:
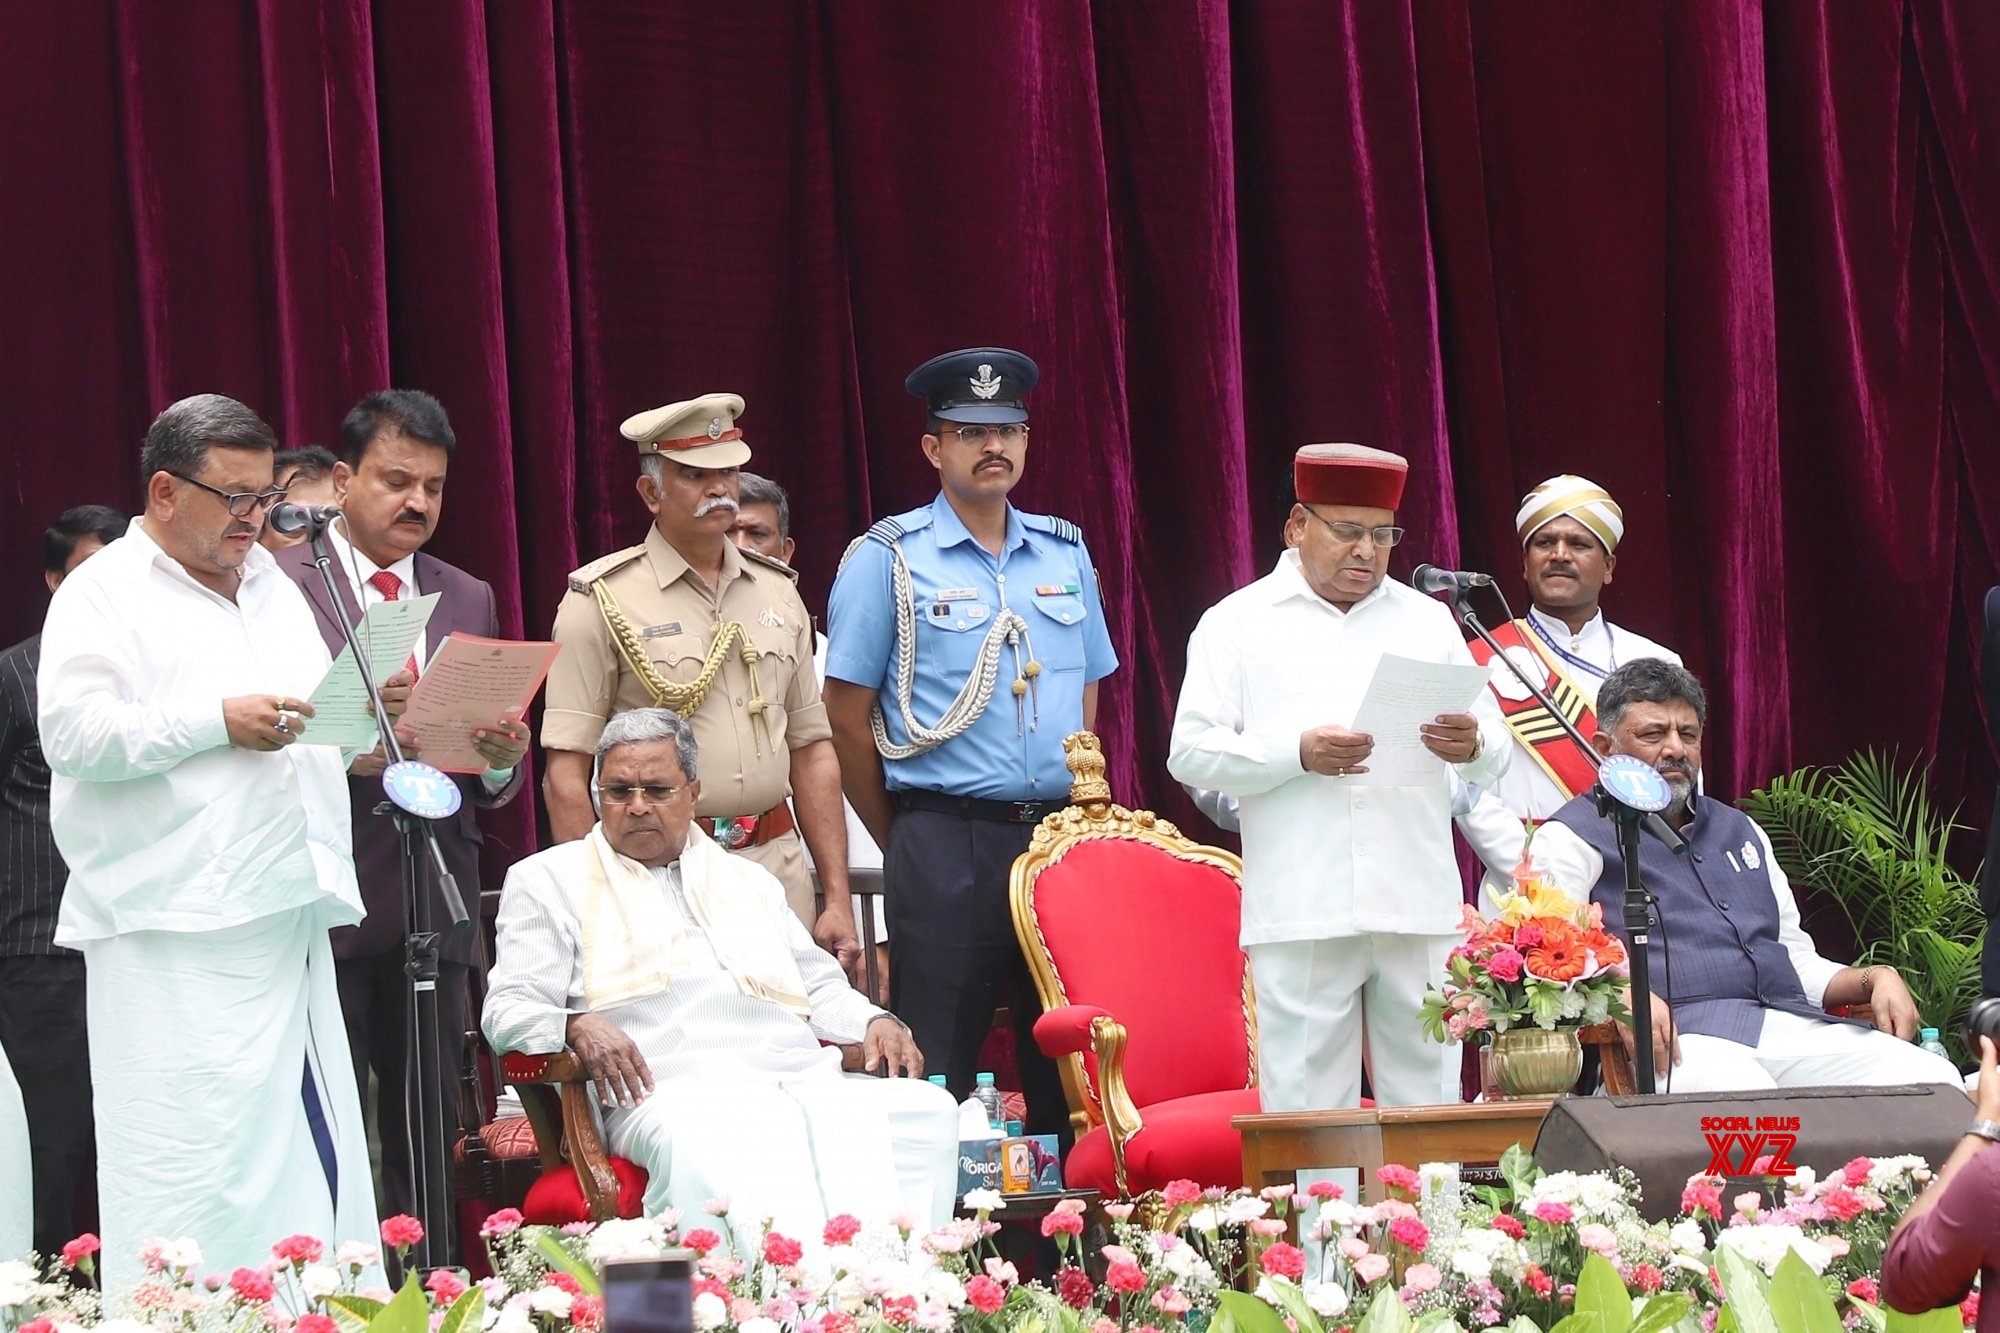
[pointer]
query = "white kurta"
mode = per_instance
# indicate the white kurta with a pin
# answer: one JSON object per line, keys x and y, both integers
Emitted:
{"x": 747, "y": 1103}
{"x": 1493, "y": 826}
{"x": 17, "y": 1193}
{"x": 1350, "y": 892}
{"x": 203, "y": 879}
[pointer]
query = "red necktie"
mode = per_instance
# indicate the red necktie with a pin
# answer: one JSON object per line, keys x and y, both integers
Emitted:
{"x": 391, "y": 589}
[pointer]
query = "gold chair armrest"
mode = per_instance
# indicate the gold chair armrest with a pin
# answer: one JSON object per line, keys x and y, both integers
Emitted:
{"x": 1121, "y": 1115}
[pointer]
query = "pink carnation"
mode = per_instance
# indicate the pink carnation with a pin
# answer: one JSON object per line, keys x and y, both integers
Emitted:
{"x": 1510, "y": 1226}
{"x": 782, "y": 1250}
{"x": 1857, "y": 1170}
{"x": 1408, "y": 1231}
{"x": 315, "y": 1323}
{"x": 1172, "y": 1301}
{"x": 76, "y": 1251}
{"x": 1062, "y": 1224}
{"x": 1324, "y": 1189}
{"x": 1125, "y": 1277}
{"x": 1843, "y": 1204}
{"x": 251, "y": 1286}
{"x": 402, "y": 1231}
{"x": 1646, "y": 1278}
{"x": 502, "y": 1223}
{"x": 1505, "y": 964}
{"x": 299, "y": 1250}
{"x": 1422, "y": 1277}
{"x": 1178, "y": 1192}
{"x": 586, "y": 1313}
{"x": 1397, "y": 1177}
{"x": 841, "y": 1229}
{"x": 1282, "y": 1260}
{"x": 444, "y": 1285}
{"x": 1554, "y": 1213}
{"x": 984, "y": 1294}
{"x": 701, "y": 1240}
{"x": 1598, "y": 1238}
{"x": 1371, "y": 1267}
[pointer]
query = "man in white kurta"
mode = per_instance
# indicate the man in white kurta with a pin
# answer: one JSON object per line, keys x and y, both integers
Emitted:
{"x": 1351, "y": 894}
{"x": 697, "y": 1002}
{"x": 1570, "y": 528}
{"x": 208, "y": 855}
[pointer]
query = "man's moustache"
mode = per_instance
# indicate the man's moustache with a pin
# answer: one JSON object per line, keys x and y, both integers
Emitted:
{"x": 715, "y": 502}
{"x": 411, "y": 516}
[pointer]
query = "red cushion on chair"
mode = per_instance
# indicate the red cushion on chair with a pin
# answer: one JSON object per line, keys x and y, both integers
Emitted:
{"x": 557, "y": 1198}
{"x": 1186, "y": 1138}
{"x": 510, "y": 1136}
{"x": 1152, "y": 938}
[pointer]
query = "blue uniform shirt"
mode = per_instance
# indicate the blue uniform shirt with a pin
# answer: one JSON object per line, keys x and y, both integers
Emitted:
{"x": 1043, "y": 573}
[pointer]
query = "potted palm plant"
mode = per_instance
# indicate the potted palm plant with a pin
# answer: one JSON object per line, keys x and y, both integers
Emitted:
{"x": 1865, "y": 835}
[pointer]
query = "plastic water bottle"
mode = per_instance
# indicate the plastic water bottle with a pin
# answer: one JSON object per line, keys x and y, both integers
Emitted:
{"x": 938, "y": 1079}
{"x": 972, "y": 1122}
{"x": 988, "y": 1096}
{"x": 1931, "y": 1043}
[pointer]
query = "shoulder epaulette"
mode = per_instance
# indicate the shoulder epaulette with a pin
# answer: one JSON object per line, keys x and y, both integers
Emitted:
{"x": 769, "y": 562}
{"x": 1060, "y": 527}
{"x": 581, "y": 579}
{"x": 893, "y": 529}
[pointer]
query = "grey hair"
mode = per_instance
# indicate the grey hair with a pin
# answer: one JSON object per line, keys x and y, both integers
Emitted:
{"x": 179, "y": 437}
{"x": 654, "y": 466}
{"x": 1650, "y": 680}
{"x": 752, "y": 489}
{"x": 641, "y": 725}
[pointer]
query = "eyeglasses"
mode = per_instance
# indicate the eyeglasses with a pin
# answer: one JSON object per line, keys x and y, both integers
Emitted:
{"x": 1010, "y": 433}
{"x": 1354, "y": 532}
{"x": 618, "y": 793}
{"x": 240, "y": 504}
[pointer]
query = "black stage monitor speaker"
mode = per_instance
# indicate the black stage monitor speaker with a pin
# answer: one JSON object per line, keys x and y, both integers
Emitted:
{"x": 1665, "y": 1139}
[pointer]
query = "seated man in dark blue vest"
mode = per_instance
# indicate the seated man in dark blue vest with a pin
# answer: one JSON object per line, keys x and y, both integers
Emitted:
{"x": 1740, "y": 993}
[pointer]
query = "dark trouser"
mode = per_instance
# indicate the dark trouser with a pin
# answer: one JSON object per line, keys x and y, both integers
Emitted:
{"x": 42, "y": 1028}
{"x": 953, "y": 954}
{"x": 375, "y": 1004}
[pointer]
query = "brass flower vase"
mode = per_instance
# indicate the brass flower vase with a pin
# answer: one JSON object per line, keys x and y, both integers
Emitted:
{"x": 1535, "y": 1062}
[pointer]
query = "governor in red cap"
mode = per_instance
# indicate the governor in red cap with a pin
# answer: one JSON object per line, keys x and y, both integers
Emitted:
{"x": 1350, "y": 889}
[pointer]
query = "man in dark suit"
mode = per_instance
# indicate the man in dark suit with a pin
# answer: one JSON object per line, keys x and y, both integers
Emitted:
{"x": 396, "y": 446}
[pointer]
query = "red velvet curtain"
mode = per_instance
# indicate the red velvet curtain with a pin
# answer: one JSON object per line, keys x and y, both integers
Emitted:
{"x": 1738, "y": 263}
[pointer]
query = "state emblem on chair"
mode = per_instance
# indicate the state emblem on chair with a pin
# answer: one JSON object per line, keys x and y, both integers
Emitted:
{"x": 1130, "y": 929}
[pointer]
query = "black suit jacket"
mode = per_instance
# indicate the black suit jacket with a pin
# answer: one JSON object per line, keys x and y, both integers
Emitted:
{"x": 466, "y": 604}
{"x": 1989, "y": 883}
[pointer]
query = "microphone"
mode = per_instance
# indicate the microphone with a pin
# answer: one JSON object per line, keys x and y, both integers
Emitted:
{"x": 290, "y": 518}
{"x": 1429, "y": 578}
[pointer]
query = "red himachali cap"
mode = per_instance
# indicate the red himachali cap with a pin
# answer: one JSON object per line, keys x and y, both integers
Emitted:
{"x": 1349, "y": 474}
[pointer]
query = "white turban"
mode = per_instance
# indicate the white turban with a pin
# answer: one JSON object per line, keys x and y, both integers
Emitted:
{"x": 1577, "y": 497}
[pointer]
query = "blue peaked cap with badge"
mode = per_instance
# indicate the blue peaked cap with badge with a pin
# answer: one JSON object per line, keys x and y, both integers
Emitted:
{"x": 979, "y": 385}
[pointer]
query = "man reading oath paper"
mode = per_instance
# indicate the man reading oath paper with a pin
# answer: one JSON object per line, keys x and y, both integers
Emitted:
{"x": 1350, "y": 891}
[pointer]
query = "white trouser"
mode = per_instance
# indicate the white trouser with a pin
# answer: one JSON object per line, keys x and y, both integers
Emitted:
{"x": 199, "y": 1047}
{"x": 1795, "y": 1052}
{"x": 798, "y": 1150}
{"x": 17, "y": 1192}
{"x": 1312, "y": 999}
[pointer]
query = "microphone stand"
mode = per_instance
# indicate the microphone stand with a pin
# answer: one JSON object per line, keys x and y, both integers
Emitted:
{"x": 1638, "y": 916}
{"x": 424, "y": 1107}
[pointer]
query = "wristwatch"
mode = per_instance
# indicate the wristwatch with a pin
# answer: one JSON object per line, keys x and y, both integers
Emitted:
{"x": 1985, "y": 1129}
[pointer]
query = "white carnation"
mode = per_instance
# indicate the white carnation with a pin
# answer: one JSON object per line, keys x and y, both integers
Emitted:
{"x": 942, "y": 1287}
{"x": 710, "y": 1311}
{"x": 758, "y": 1324}
{"x": 318, "y": 1281}
{"x": 626, "y": 1238}
{"x": 516, "y": 1319}
{"x": 550, "y": 1300}
{"x": 357, "y": 1254}
{"x": 1248, "y": 1208}
{"x": 984, "y": 1201}
{"x": 1688, "y": 1237}
{"x": 1203, "y": 1219}
{"x": 1327, "y": 1299}
{"x": 1469, "y": 1263}
{"x": 1765, "y": 1245}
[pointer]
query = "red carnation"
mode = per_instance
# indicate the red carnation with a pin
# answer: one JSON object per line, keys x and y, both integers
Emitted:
{"x": 1282, "y": 1260}
{"x": 1844, "y": 1204}
{"x": 37, "y": 1326}
{"x": 1178, "y": 1192}
{"x": 1324, "y": 1189}
{"x": 299, "y": 1250}
{"x": 833, "y": 1321}
{"x": 1075, "y": 1288}
{"x": 1646, "y": 1277}
{"x": 709, "y": 1286}
{"x": 782, "y": 1250}
{"x": 315, "y": 1323}
{"x": 585, "y": 1312}
{"x": 1538, "y": 1282}
{"x": 841, "y": 1229}
{"x": 562, "y": 1281}
{"x": 1968, "y": 1310}
{"x": 80, "y": 1249}
{"x": 1865, "y": 1289}
{"x": 402, "y": 1231}
{"x": 1127, "y": 1277}
{"x": 1410, "y": 1232}
{"x": 1510, "y": 1226}
{"x": 1857, "y": 1170}
{"x": 251, "y": 1286}
{"x": 701, "y": 1240}
{"x": 985, "y": 1295}
{"x": 444, "y": 1285}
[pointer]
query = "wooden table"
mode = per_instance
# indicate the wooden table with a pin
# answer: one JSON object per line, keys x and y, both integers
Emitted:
{"x": 1276, "y": 1144}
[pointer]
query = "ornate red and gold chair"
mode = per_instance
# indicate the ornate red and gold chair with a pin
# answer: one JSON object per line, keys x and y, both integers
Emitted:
{"x": 1130, "y": 929}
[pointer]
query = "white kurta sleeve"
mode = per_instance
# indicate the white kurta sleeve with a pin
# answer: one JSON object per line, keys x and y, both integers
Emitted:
{"x": 1814, "y": 971}
{"x": 1492, "y": 830}
{"x": 102, "y": 720}
{"x": 840, "y": 1013}
{"x": 534, "y": 963}
{"x": 1496, "y": 750}
{"x": 1211, "y": 748}
{"x": 1567, "y": 861}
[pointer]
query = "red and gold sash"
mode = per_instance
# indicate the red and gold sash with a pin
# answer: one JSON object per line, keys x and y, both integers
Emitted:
{"x": 1539, "y": 733}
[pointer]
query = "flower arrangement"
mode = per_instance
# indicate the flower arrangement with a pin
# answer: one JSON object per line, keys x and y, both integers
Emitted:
{"x": 1425, "y": 1255}
{"x": 1542, "y": 959}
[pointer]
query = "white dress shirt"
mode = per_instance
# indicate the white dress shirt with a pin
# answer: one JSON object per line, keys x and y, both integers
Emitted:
{"x": 1573, "y": 864}
{"x": 1324, "y": 857}
{"x": 704, "y": 1025}
{"x": 1493, "y": 825}
{"x": 166, "y": 825}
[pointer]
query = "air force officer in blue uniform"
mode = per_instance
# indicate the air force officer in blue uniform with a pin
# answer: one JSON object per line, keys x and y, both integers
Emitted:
{"x": 965, "y": 640}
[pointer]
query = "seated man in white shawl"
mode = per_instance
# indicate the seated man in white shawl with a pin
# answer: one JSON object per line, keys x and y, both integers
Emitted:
{"x": 697, "y": 1003}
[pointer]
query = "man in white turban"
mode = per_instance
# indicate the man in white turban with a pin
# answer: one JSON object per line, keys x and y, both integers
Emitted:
{"x": 1570, "y": 528}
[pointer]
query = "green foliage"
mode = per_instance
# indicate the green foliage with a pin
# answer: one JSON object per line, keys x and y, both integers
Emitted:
{"x": 1799, "y": 1301}
{"x": 1386, "y": 1314}
{"x": 1600, "y": 1295}
{"x": 408, "y": 1312}
{"x": 1945, "y": 1319}
{"x": 550, "y": 1248}
{"x": 1244, "y": 1313}
{"x": 1866, "y": 835}
{"x": 353, "y": 1313}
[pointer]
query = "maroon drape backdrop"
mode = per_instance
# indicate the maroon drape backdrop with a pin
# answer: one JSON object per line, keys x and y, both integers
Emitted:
{"x": 1739, "y": 263}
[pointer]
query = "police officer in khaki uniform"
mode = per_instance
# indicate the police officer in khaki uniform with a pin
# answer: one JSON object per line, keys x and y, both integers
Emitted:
{"x": 686, "y": 620}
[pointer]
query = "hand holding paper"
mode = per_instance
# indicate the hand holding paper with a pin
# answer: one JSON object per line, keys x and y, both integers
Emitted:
{"x": 346, "y": 715}
{"x": 467, "y": 705}
{"x": 1401, "y": 711}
